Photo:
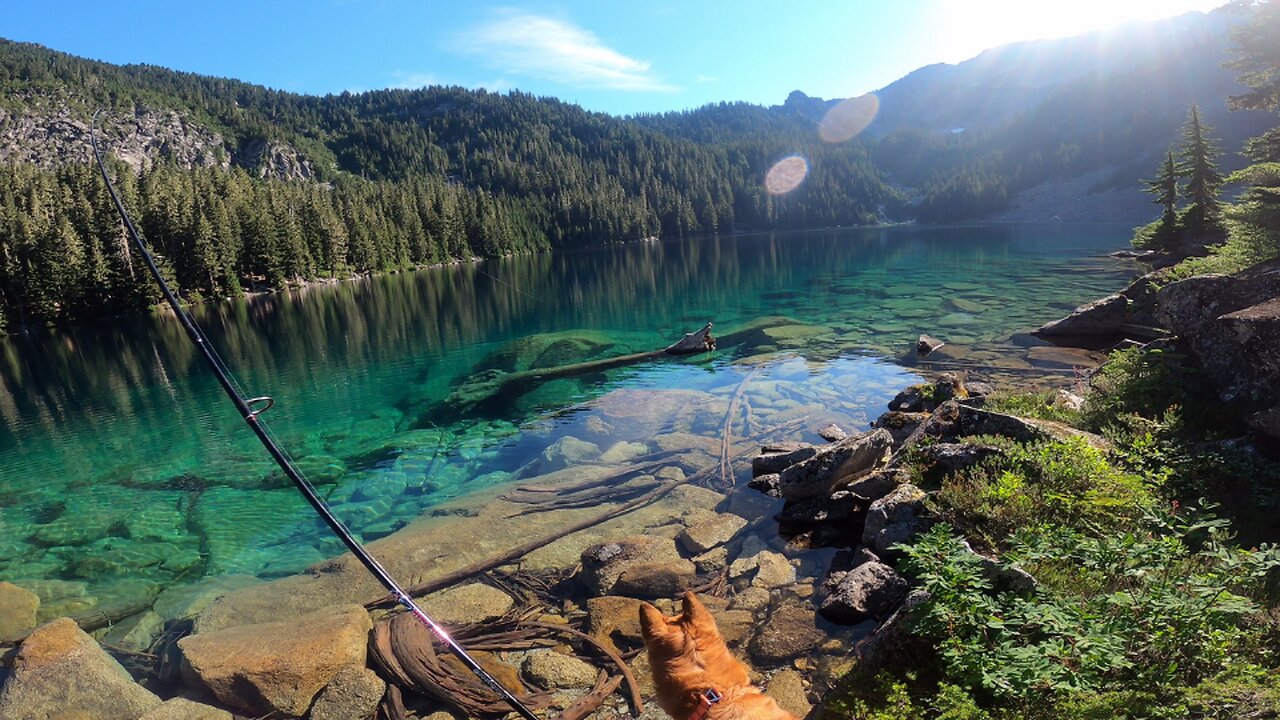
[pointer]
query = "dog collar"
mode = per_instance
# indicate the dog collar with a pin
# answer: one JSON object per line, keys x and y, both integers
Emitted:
{"x": 706, "y": 699}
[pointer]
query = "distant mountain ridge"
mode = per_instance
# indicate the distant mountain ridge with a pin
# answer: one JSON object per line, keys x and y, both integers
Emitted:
{"x": 971, "y": 138}
{"x": 994, "y": 87}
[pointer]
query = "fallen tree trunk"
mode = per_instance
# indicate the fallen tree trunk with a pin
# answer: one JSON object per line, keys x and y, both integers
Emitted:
{"x": 488, "y": 385}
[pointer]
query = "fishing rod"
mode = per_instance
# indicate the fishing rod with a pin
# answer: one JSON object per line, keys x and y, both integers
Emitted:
{"x": 250, "y": 409}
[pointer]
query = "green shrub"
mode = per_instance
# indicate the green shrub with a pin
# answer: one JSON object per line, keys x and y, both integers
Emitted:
{"x": 1142, "y": 614}
{"x": 1042, "y": 405}
{"x": 1135, "y": 381}
{"x": 1064, "y": 481}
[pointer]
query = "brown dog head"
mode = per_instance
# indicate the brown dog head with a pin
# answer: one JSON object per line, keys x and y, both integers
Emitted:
{"x": 689, "y": 657}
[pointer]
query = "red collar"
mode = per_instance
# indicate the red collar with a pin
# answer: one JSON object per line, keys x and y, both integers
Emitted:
{"x": 706, "y": 699}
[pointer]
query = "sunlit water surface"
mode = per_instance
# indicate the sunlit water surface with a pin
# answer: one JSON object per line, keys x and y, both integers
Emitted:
{"x": 125, "y": 469}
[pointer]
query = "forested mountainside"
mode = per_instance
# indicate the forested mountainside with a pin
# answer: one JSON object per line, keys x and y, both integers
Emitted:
{"x": 243, "y": 186}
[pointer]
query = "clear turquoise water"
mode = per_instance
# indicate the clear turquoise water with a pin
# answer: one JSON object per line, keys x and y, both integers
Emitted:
{"x": 124, "y": 468}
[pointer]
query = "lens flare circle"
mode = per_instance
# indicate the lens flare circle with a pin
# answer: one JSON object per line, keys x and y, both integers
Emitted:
{"x": 786, "y": 175}
{"x": 848, "y": 118}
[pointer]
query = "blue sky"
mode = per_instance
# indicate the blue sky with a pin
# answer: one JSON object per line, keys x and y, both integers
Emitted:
{"x": 612, "y": 56}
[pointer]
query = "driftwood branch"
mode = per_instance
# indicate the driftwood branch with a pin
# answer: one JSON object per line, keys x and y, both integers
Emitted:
{"x": 633, "y": 687}
{"x": 726, "y": 437}
{"x": 587, "y": 704}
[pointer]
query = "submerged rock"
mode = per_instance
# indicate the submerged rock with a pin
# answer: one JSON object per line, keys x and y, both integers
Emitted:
{"x": 613, "y": 620}
{"x": 703, "y": 536}
{"x": 642, "y": 566}
{"x": 18, "y": 608}
{"x": 567, "y": 451}
{"x": 181, "y": 601}
{"x": 135, "y": 633}
{"x": 550, "y": 669}
{"x": 61, "y": 672}
{"x": 471, "y": 603}
{"x": 790, "y": 631}
{"x": 353, "y": 693}
{"x": 181, "y": 708}
{"x": 786, "y": 687}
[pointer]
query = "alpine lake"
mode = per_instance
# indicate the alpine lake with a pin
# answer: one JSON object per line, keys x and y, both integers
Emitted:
{"x": 126, "y": 473}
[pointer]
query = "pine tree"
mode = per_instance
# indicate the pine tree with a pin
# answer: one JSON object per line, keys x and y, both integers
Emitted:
{"x": 1256, "y": 216}
{"x": 1165, "y": 187}
{"x": 1198, "y": 165}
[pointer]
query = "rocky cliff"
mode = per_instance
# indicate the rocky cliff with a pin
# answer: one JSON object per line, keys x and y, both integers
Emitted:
{"x": 50, "y": 132}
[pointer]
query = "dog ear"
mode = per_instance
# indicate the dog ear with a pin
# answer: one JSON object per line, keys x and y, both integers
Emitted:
{"x": 652, "y": 623}
{"x": 695, "y": 613}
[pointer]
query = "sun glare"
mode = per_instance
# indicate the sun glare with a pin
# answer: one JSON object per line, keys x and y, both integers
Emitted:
{"x": 975, "y": 26}
{"x": 786, "y": 175}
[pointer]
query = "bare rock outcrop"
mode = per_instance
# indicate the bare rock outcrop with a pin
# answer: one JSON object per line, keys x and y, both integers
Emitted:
{"x": 1231, "y": 323}
{"x": 52, "y": 134}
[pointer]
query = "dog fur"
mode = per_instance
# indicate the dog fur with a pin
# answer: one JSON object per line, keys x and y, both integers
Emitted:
{"x": 688, "y": 656}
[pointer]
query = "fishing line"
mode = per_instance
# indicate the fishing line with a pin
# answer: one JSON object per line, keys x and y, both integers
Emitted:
{"x": 250, "y": 409}
{"x": 513, "y": 287}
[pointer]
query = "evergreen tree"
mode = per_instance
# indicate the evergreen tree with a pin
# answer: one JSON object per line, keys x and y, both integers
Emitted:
{"x": 1256, "y": 217}
{"x": 1198, "y": 166}
{"x": 1164, "y": 234}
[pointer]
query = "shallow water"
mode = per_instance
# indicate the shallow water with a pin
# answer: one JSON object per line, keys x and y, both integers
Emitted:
{"x": 125, "y": 471}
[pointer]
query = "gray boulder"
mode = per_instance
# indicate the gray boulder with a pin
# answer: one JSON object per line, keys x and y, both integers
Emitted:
{"x": 900, "y": 424}
{"x": 832, "y": 433}
{"x": 927, "y": 344}
{"x": 780, "y": 456}
{"x": 180, "y": 708}
{"x": 876, "y": 485}
{"x": 895, "y": 518}
{"x": 833, "y": 465}
{"x": 870, "y": 590}
{"x": 956, "y": 456}
{"x": 1100, "y": 317}
{"x": 550, "y": 669}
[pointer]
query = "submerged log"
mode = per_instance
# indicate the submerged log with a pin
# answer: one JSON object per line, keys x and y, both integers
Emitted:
{"x": 489, "y": 385}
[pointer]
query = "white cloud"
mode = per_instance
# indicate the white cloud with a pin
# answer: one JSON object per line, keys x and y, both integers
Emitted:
{"x": 499, "y": 84}
{"x": 706, "y": 79}
{"x": 414, "y": 80}
{"x": 521, "y": 43}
